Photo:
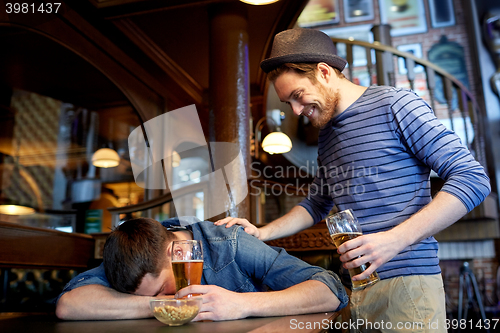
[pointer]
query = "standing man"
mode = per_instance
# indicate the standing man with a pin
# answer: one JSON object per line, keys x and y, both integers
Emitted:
{"x": 376, "y": 149}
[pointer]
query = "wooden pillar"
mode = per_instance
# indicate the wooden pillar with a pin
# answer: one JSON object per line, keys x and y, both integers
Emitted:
{"x": 229, "y": 92}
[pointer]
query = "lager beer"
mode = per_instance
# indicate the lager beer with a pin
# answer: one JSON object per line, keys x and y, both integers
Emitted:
{"x": 343, "y": 226}
{"x": 339, "y": 239}
{"x": 187, "y": 263}
{"x": 187, "y": 272}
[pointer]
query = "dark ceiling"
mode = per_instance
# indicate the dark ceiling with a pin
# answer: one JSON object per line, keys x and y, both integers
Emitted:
{"x": 35, "y": 63}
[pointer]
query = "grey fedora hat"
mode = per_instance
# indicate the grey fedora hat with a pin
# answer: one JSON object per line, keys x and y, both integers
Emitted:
{"x": 302, "y": 45}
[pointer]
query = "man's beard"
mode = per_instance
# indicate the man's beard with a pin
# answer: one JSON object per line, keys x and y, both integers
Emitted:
{"x": 327, "y": 110}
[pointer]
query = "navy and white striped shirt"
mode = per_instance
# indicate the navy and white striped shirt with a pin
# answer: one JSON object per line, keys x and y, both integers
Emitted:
{"x": 376, "y": 158}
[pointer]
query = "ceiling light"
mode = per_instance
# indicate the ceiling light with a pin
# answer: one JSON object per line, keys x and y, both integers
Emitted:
{"x": 16, "y": 210}
{"x": 16, "y": 173}
{"x": 277, "y": 143}
{"x": 105, "y": 158}
{"x": 258, "y": 2}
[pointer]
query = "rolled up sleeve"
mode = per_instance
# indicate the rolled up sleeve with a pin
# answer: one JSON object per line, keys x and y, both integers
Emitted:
{"x": 278, "y": 270}
{"x": 333, "y": 282}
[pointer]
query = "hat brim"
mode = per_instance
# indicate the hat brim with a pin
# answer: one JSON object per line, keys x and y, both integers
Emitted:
{"x": 335, "y": 61}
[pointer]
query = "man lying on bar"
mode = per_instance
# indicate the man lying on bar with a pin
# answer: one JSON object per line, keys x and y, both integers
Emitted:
{"x": 238, "y": 271}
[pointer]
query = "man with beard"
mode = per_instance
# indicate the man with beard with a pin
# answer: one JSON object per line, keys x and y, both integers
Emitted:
{"x": 376, "y": 149}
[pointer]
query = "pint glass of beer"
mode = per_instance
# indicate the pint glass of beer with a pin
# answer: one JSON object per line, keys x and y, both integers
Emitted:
{"x": 344, "y": 226}
{"x": 187, "y": 263}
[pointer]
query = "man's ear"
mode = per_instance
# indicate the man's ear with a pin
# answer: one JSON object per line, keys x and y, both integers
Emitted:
{"x": 168, "y": 250}
{"x": 324, "y": 71}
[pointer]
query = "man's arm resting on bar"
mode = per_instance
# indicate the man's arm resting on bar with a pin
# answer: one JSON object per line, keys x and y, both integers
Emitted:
{"x": 97, "y": 302}
{"x": 220, "y": 304}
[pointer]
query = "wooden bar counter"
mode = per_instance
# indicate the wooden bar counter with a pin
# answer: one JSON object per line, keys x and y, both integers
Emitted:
{"x": 47, "y": 323}
{"x": 30, "y": 247}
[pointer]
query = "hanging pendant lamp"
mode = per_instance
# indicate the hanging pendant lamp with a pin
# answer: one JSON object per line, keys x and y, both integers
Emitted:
{"x": 105, "y": 158}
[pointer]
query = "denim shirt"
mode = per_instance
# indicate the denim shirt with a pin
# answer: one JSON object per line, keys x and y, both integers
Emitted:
{"x": 238, "y": 262}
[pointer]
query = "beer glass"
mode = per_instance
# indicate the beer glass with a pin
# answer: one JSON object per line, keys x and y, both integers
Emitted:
{"x": 344, "y": 226}
{"x": 187, "y": 263}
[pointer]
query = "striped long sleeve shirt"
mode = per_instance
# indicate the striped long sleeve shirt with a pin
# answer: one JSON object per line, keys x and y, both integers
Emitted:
{"x": 376, "y": 158}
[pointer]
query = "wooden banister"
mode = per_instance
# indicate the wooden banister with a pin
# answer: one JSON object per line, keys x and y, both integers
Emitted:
{"x": 468, "y": 105}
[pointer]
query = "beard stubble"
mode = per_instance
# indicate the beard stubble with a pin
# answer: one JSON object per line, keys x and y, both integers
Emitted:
{"x": 327, "y": 111}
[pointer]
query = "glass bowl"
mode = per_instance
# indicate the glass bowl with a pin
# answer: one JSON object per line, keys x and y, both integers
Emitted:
{"x": 175, "y": 312}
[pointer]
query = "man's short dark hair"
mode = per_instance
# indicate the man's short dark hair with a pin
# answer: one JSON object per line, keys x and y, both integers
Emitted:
{"x": 308, "y": 70}
{"x": 136, "y": 247}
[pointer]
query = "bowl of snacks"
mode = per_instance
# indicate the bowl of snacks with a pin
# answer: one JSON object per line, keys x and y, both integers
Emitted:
{"x": 175, "y": 312}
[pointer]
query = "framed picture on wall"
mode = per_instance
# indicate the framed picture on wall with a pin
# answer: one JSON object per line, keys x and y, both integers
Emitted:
{"x": 358, "y": 32}
{"x": 442, "y": 14}
{"x": 405, "y": 16}
{"x": 358, "y": 10}
{"x": 416, "y": 50}
{"x": 319, "y": 12}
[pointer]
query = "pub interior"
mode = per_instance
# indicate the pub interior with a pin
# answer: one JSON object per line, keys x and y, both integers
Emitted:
{"x": 85, "y": 75}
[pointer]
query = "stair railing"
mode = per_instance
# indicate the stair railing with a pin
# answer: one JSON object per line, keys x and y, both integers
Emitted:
{"x": 385, "y": 74}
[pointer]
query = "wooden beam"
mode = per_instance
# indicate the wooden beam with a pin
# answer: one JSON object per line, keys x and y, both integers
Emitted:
{"x": 178, "y": 75}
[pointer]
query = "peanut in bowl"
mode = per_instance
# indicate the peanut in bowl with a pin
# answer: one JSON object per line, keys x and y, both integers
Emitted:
{"x": 175, "y": 312}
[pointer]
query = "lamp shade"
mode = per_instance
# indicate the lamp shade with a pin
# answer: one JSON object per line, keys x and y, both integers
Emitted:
{"x": 176, "y": 159}
{"x": 277, "y": 143}
{"x": 258, "y": 2}
{"x": 16, "y": 210}
{"x": 105, "y": 158}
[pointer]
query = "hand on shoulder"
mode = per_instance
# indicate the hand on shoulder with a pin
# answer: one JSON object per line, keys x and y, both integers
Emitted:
{"x": 249, "y": 227}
